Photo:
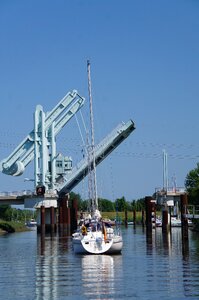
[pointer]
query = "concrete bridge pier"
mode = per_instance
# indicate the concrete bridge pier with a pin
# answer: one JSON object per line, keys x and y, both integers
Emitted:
{"x": 49, "y": 207}
{"x": 46, "y": 219}
{"x": 46, "y": 206}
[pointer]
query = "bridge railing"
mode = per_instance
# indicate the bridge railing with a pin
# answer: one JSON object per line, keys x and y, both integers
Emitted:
{"x": 17, "y": 193}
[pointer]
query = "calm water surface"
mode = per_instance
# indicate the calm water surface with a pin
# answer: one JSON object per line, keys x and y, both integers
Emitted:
{"x": 159, "y": 267}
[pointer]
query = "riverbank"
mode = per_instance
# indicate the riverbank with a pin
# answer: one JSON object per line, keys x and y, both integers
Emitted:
{"x": 12, "y": 226}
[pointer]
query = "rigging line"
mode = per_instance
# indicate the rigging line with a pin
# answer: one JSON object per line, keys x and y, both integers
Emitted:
{"x": 80, "y": 130}
{"x": 155, "y": 155}
{"x": 87, "y": 134}
{"x": 10, "y": 134}
{"x": 83, "y": 122}
{"x": 92, "y": 137}
{"x": 151, "y": 144}
{"x": 112, "y": 181}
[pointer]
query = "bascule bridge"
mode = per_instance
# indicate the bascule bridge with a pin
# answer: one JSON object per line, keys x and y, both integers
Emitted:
{"x": 54, "y": 175}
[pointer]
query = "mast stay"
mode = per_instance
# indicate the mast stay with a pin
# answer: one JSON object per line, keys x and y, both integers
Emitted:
{"x": 92, "y": 178}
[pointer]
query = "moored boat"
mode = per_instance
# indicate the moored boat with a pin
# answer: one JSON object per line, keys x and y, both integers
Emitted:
{"x": 97, "y": 237}
{"x": 32, "y": 224}
{"x": 175, "y": 222}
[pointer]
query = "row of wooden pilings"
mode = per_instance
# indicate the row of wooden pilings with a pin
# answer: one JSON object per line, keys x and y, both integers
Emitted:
{"x": 65, "y": 217}
{"x": 149, "y": 216}
{"x": 62, "y": 218}
{"x": 166, "y": 222}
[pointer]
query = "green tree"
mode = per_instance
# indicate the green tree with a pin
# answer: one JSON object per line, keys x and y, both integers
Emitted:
{"x": 6, "y": 212}
{"x": 84, "y": 205}
{"x": 138, "y": 204}
{"x": 120, "y": 204}
{"x": 192, "y": 185}
{"x": 106, "y": 205}
{"x": 78, "y": 197}
{"x": 128, "y": 206}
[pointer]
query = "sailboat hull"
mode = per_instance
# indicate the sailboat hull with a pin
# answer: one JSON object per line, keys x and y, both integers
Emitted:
{"x": 87, "y": 245}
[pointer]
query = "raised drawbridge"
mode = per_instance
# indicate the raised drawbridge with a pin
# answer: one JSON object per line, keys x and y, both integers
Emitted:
{"x": 55, "y": 172}
{"x": 54, "y": 175}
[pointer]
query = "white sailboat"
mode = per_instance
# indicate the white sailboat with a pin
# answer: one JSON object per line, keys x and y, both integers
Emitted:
{"x": 95, "y": 236}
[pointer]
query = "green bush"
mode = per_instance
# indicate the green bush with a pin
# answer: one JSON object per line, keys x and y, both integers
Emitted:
{"x": 7, "y": 227}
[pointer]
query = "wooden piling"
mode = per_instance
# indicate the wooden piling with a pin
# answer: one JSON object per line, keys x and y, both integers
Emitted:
{"x": 126, "y": 218}
{"x": 60, "y": 216}
{"x": 74, "y": 216}
{"x": 165, "y": 220}
{"x": 42, "y": 228}
{"x": 143, "y": 218}
{"x": 134, "y": 217}
{"x": 184, "y": 220}
{"x": 64, "y": 213}
{"x": 148, "y": 208}
{"x": 52, "y": 219}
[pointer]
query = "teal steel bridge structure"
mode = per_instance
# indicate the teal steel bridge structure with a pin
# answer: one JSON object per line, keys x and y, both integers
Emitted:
{"x": 51, "y": 170}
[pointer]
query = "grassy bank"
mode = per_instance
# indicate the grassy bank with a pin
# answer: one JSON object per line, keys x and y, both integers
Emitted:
{"x": 121, "y": 216}
{"x": 12, "y": 226}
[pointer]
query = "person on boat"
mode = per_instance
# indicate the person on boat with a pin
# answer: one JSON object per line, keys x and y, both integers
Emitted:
{"x": 84, "y": 230}
{"x": 98, "y": 226}
{"x": 81, "y": 222}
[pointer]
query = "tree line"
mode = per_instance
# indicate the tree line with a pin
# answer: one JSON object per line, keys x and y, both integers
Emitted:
{"x": 120, "y": 204}
{"x": 8, "y": 213}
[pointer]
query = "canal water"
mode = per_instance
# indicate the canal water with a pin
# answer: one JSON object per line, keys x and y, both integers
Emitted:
{"x": 155, "y": 267}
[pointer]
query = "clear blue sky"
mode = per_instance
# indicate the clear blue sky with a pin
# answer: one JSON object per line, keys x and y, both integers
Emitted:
{"x": 144, "y": 65}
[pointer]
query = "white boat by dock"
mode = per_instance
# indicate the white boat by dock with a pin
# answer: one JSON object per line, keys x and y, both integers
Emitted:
{"x": 175, "y": 222}
{"x": 32, "y": 224}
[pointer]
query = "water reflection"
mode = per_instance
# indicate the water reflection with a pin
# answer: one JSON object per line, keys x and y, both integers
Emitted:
{"x": 158, "y": 264}
{"x": 60, "y": 273}
{"x": 170, "y": 259}
{"x": 49, "y": 263}
{"x": 166, "y": 242}
{"x": 98, "y": 274}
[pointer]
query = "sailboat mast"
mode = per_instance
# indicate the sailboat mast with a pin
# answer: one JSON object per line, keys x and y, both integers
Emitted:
{"x": 94, "y": 196}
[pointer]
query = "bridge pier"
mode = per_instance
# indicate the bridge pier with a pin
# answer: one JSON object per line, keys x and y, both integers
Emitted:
{"x": 49, "y": 207}
{"x": 47, "y": 210}
{"x": 46, "y": 219}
